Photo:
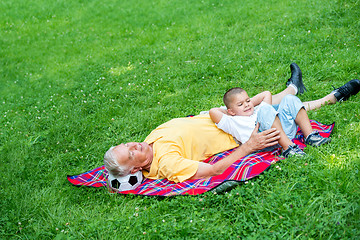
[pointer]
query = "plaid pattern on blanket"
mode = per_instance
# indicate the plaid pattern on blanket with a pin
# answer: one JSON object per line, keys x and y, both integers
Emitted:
{"x": 244, "y": 169}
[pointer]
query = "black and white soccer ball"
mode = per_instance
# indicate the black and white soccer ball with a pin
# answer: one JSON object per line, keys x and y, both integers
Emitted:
{"x": 125, "y": 183}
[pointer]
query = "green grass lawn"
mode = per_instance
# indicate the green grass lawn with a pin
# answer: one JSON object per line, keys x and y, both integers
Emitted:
{"x": 77, "y": 77}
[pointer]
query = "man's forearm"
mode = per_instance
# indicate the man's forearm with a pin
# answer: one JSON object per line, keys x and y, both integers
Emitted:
{"x": 206, "y": 170}
{"x": 256, "y": 142}
{"x": 220, "y": 166}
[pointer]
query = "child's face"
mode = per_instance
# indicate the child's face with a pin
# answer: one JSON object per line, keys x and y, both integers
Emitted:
{"x": 241, "y": 105}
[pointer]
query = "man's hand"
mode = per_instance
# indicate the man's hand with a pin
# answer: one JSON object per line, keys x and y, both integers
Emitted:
{"x": 258, "y": 141}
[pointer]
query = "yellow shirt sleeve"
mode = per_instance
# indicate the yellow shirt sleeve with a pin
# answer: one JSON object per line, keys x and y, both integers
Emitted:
{"x": 181, "y": 143}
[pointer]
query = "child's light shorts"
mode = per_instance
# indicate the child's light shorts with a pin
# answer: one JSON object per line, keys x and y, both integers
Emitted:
{"x": 287, "y": 111}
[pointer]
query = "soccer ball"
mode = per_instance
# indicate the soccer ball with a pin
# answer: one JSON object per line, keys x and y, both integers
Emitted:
{"x": 125, "y": 183}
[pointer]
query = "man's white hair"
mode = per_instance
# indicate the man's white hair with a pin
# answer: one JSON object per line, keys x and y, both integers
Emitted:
{"x": 113, "y": 166}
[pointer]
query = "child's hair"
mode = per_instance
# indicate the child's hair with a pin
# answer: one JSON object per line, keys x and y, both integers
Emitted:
{"x": 229, "y": 94}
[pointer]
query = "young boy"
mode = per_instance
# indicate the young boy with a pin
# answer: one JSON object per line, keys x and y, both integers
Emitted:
{"x": 243, "y": 113}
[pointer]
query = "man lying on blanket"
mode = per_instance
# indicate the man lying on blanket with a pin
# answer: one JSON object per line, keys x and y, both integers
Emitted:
{"x": 175, "y": 150}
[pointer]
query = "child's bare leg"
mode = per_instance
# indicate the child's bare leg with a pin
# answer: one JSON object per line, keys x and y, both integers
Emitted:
{"x": 276, "y": 99}
{"x": 284, "y": 141}
{"x": 316, "y": 104}
{"x": 312, "y": 138}
{"x": 303, "y": 121}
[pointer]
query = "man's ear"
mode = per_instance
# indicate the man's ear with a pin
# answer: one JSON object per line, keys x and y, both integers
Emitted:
{"x": 135, "y": 169}
{"x": 230, "y": 112}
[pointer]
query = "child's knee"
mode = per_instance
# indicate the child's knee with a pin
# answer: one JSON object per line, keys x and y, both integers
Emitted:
{"x": 290, "y": 104}
{"x": 266, "y": 110}
{"x": 266, "y": 116}
{"x": 290, "y": 99}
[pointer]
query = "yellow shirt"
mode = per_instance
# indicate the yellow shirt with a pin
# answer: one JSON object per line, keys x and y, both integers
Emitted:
{"x": 179, "y": 145}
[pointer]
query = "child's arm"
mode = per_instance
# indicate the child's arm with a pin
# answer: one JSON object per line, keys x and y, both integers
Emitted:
{"x": 262, "y": 97}
{"x": 216, "y": 114}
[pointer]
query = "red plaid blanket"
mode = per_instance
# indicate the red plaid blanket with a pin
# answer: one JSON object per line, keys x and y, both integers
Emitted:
{"x": 244, "y": 169}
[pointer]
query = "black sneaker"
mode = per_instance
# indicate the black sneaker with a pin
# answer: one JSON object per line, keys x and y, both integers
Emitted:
{"x": 293, "y": 150}
{"x": 348, "y": 89}
{"x": 296, "y": 78}
{"x": 315, "y": 139}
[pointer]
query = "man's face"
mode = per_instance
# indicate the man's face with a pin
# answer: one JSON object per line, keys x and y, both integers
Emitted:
{"x": 135, "y": 155}
{"x": 241, "y": 105}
